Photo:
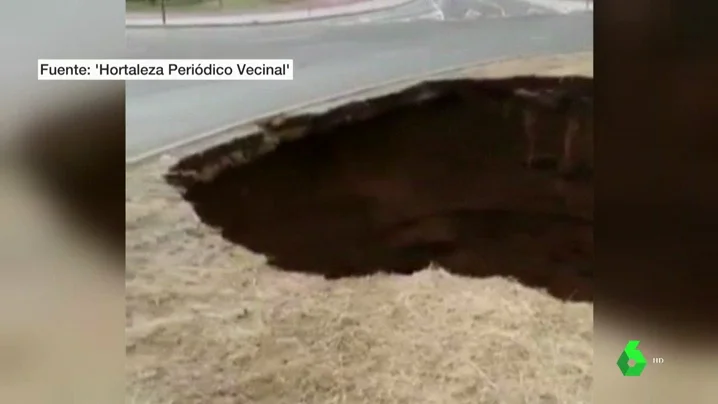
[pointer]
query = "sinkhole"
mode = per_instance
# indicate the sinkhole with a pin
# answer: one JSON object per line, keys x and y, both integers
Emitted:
{"x": 482, "y": 177}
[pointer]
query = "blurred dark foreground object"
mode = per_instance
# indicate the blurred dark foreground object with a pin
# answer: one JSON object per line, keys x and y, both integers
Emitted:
{"x": 77, "y": 154}
{"x": 656, "y": 194}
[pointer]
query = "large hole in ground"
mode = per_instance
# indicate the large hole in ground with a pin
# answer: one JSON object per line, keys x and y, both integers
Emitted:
{"x": 478, "y": 176}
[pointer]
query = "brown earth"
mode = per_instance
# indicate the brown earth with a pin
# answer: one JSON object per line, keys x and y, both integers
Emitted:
{"x": 210, "y": 322}
{"x": 374, "y": 187}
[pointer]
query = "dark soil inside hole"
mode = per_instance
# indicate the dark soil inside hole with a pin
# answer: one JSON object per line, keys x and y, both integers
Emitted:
{"x": 437, "y": 174}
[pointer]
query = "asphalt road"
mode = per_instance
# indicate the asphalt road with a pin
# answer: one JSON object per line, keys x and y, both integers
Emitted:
{"x": 332, "y": 57}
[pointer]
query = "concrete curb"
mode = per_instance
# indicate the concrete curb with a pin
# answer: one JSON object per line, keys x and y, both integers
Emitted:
{"x": 299, "y": 16}
{"x": 247, "y": 126}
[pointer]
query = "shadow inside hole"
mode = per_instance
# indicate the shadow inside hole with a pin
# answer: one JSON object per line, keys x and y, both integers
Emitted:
{"x": 443, "y": 180}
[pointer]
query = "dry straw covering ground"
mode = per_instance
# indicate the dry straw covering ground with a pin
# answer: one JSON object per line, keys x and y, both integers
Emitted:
{"x": 210, "y": 322}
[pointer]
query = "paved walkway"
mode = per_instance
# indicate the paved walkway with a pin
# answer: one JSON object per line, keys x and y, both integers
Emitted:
{"x": 239, "y": 17}
{"x": 564, "y": 6}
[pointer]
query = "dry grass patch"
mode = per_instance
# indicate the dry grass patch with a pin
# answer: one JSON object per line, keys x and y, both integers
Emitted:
{"x": 208, "y": 322}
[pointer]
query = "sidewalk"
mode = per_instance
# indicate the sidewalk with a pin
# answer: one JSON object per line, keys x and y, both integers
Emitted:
{"x": 564, "y": 6}
{"x": 238, "y": 17}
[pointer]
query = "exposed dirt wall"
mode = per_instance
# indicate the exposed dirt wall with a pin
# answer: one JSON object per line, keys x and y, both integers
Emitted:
{"x": 471, "y": 174}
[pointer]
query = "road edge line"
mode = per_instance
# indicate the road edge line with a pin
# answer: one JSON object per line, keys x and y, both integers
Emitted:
{"x": 279, "y": 22}
{"x": 408, "y": 79}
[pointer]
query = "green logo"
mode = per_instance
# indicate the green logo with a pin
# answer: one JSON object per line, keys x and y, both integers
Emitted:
{"x": 631, "y": 352}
